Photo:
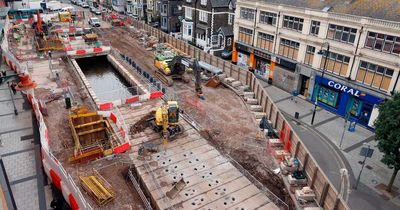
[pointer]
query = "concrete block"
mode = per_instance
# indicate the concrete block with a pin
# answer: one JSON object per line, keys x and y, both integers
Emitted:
{"x": 249, "y": 94}
{"x": 243, "y": 88}
{"x": 251, "y": 101}
{"x": 259, "y": 115}
{"x": 256, "y": 108}
{"x": 229, "y": 80}
{"x": 222, "y": 77}
{"x": 236, "y": 84}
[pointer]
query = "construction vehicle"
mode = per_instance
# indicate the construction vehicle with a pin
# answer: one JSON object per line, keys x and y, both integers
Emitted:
{"x": 171, "y": 67}
{"x": 166, "y": 120}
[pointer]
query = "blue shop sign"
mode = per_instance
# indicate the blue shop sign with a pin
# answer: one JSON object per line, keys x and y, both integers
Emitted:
{"x": 348, "y": 90}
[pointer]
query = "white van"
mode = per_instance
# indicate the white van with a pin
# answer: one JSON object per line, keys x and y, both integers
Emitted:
{"x": 68, "y": 9}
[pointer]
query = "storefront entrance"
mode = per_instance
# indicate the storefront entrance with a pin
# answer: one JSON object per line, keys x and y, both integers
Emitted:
{"x": 305, "y": 82}
{"x": 345, "y": 100}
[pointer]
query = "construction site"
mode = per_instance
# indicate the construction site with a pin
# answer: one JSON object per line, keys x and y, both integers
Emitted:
{"x": 130, "y": 119}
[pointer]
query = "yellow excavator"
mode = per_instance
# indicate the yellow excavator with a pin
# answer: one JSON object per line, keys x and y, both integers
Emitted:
{"x": 171, "y": 67}
{"x": 166, "y": 120}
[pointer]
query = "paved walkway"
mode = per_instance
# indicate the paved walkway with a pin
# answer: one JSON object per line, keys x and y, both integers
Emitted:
{"x": 323, "y": 139}
{"x": 20, "y": 151}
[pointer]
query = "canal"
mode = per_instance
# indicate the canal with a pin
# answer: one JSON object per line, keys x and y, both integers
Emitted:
{"x": 107, "y": 83}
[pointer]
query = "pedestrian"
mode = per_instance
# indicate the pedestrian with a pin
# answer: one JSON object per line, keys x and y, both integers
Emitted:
{"x": 13, "y": 87}
{"x": 4, "y": 73}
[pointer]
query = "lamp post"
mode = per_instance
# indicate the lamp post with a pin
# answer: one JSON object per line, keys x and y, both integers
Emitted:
{"x": 326, "y": 53}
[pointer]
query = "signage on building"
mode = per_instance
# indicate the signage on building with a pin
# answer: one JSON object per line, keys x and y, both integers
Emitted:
{"x": 345, "y": 88}
{"x": 262, "y": 54}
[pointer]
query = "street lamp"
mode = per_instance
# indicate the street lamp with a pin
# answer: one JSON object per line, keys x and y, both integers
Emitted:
{"x": 326, "y": 53}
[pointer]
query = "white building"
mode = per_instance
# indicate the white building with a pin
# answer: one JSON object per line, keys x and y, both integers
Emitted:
{"x": 282, "y": 41}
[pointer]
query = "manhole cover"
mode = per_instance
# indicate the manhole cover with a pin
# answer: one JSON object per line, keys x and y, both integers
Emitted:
{"x": 374, "y": 181}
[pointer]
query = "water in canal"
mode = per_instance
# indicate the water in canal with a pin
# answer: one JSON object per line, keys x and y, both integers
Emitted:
{"x": 105, "y": 80}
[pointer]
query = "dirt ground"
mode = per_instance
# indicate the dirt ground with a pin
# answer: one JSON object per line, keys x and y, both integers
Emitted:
{"x": 61, "y": 144}
{"x": 225, "y": 119}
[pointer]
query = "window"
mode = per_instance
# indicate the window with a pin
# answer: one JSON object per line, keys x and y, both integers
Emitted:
{"x": 342, "y": 33}
{"x": 265, "y": 41}
{"x": 164, "y": 22}
{"x": 289, "y": 48}
{"x": 336, "y": 63}
{"x": 229, "y": 42}
{"x": 245, "y": 35}
{"x": 309, "y": 55}
{"x": 189, "y": 1}
{"x": 231, "y": 17}
{"x": 246, "y": 13}
{"x": 187, "y": 29}
{"x": 315, "y": 27}
{"x": 383, "y": 43}
{"x": 203, "y": 16}
{"x": 293, "y": 23}
{"x": 328, "y": 96}
{"x": 203, "y": 2}
{"x": 268, "y": 18}
{"x": 164, "y": 8}
{"x": 188, "y": 13}
{"x": 373, "y": 75}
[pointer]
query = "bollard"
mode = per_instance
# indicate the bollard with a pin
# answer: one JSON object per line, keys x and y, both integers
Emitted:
{"x": 296, "y": 115}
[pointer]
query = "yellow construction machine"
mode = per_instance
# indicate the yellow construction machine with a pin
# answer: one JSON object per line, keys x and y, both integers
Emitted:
{"x": 171, "y": 67}
{"x": 166, "y": 120}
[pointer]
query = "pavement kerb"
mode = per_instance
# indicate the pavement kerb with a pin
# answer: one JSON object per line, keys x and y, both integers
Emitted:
{"x": 339, "y": 156}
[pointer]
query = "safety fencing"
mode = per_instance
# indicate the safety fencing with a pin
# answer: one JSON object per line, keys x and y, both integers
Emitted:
{"x": 327, "y": 195}
{"x": 52, "y": 167}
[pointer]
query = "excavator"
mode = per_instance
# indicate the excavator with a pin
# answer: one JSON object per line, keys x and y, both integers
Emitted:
{"x": 166, "y": 120}
{"x": 171, "y": 68}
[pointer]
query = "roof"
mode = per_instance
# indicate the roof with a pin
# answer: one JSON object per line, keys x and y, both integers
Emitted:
{"x": 220, "y": 3}
{"x": 226, "y": 30}
{"x": 378, "y": 9}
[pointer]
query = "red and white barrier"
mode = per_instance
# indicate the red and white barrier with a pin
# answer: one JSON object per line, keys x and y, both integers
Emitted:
{"x": 130, "y": 100}
{"x": 52, "y": 167}
{"x": 68, "y": 30}
{"x": 72, "y": 52}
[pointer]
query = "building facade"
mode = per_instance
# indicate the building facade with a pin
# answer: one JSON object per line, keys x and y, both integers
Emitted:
{"x": 203, "y": 18}
{"x": 170, "y": 15}
{"x": 288, "y": 45}
{"x": 153, "y": 12}
{"x": 137, "y": 9}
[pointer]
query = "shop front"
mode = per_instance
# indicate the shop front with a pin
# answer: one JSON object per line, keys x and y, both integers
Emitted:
{"x": 346, "y": 101}
{"x": 263, "y": 61}
{"x": 243, "y": 54}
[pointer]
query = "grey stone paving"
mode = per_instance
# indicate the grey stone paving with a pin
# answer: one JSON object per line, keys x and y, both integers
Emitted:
{"x": 27, "y": 198}
{"x": 323, "y": 140}
{"x": 19, "y": 155}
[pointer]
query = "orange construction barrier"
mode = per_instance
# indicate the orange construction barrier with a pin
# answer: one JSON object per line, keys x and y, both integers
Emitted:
{"x": 26, "y": 82}
{"x": 234, "y": 53}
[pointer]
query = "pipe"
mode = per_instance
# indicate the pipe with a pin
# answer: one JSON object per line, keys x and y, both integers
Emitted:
{"x": 355, "y": 53}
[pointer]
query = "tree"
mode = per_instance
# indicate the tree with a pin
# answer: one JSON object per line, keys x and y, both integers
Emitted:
{"x": 387, "y": 133}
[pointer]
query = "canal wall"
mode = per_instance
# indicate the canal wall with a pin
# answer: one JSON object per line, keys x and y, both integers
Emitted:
{"x": 144, "y": 91}
{"x": 141, "y": 89}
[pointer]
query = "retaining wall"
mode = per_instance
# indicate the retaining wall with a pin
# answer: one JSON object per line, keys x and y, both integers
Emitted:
{"x": 326, "y": 194}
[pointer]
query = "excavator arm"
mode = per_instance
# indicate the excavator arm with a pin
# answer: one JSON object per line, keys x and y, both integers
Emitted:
{"x": 196, "y": 72}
